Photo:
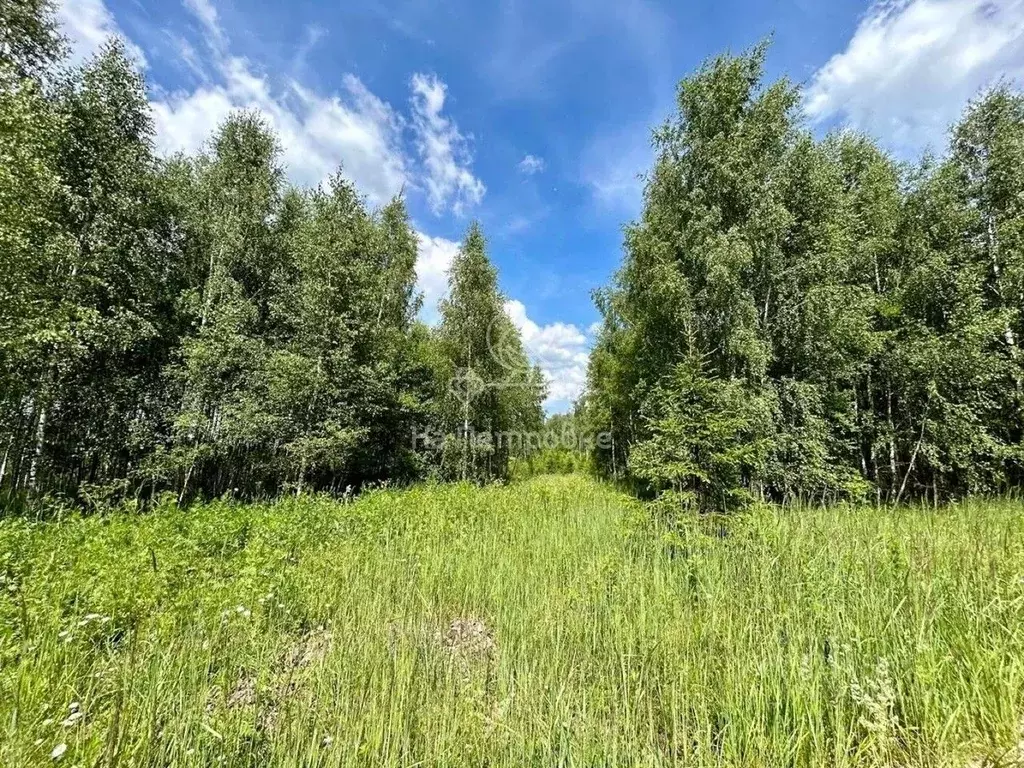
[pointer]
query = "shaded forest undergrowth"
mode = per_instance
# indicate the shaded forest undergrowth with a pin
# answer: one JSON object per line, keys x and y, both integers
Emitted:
{"x": 553, "y": 621}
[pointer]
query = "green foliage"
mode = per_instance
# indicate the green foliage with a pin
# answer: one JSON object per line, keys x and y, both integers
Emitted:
{"x": 29, "y": 37}
{"x": 562, "y": 447}
{"x": 495, "y": 396}
{"x": 706, "y": 440}
{"x": 870, "y": 313}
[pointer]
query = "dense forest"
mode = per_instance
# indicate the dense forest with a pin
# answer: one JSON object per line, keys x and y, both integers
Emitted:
{"x": 197, "y": 326}
{"x": 796, "y": 316}
{"x": 808, "y": 318}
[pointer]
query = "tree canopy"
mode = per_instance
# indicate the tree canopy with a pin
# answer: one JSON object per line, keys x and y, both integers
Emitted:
{"x": 197, "y": 325}
{"x": 804, "y": 317}
{"x": 796, "y": 316}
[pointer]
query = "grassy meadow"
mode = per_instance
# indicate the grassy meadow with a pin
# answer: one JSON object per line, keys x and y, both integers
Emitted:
{"x": 551, "y": 622}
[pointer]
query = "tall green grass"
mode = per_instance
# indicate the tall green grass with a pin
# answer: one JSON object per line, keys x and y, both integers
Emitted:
{"x": 547, "y": 623}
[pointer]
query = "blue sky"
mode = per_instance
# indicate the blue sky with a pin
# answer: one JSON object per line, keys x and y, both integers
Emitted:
{"x": 533, "y": 116}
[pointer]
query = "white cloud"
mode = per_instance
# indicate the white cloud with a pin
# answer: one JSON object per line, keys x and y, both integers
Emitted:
{"x": 561, "y": 351}
{"x": 531, "y": 164}
{"x": 88, "y": 24}
{"x": 352, "y": 128}
{"x": 355, "y": 130}
{"x": 443, "y": 149}
{"x": 433, "y": 261}
{"x": 312, "y": 36}
{"x": 210, "y": 19}
{"x": 912, "y": 64}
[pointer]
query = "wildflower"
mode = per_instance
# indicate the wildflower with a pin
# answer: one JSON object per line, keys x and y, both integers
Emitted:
{"x": 58, "y": 751}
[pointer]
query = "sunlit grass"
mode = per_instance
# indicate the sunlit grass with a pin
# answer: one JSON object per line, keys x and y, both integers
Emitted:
{"x": 547, "y": 623}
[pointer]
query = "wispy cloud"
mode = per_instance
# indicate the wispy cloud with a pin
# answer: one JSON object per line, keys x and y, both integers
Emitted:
{"x": 88, "y": 24}
{"x": 208, "y": 16}
{"x": 612, "y": 167}
{"x": 912, "y": 64}
{"x": 443, "y": 149}
{"x": 312, "y": 37}
{"x": 376, "y": 146}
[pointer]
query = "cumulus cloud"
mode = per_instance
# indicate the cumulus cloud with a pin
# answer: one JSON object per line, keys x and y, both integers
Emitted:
{"x": 531, "y": 164}
{"x": 354, "y": 129}
{"x": 912, "y": 64}
{"x": 561, "y": 351}
{"x": 443, "y": 149}
{"x": 87, "y": 24}
{"x": 434, "y": 259}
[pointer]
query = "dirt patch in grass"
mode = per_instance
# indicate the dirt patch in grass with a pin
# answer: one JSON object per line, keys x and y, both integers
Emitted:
{"x": 309, "y": 651}
{"x": 468, "y": 638}
{"x": 288, "y": 676}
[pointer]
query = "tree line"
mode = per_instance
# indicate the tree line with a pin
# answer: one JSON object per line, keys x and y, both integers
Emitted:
{"x": 808, "y": 318}
{"x": 197, "y": 325}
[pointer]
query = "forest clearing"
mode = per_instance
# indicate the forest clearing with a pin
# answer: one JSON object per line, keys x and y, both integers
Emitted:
{"x": 550, "y": 622}
{"x": 699, "y": 443}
